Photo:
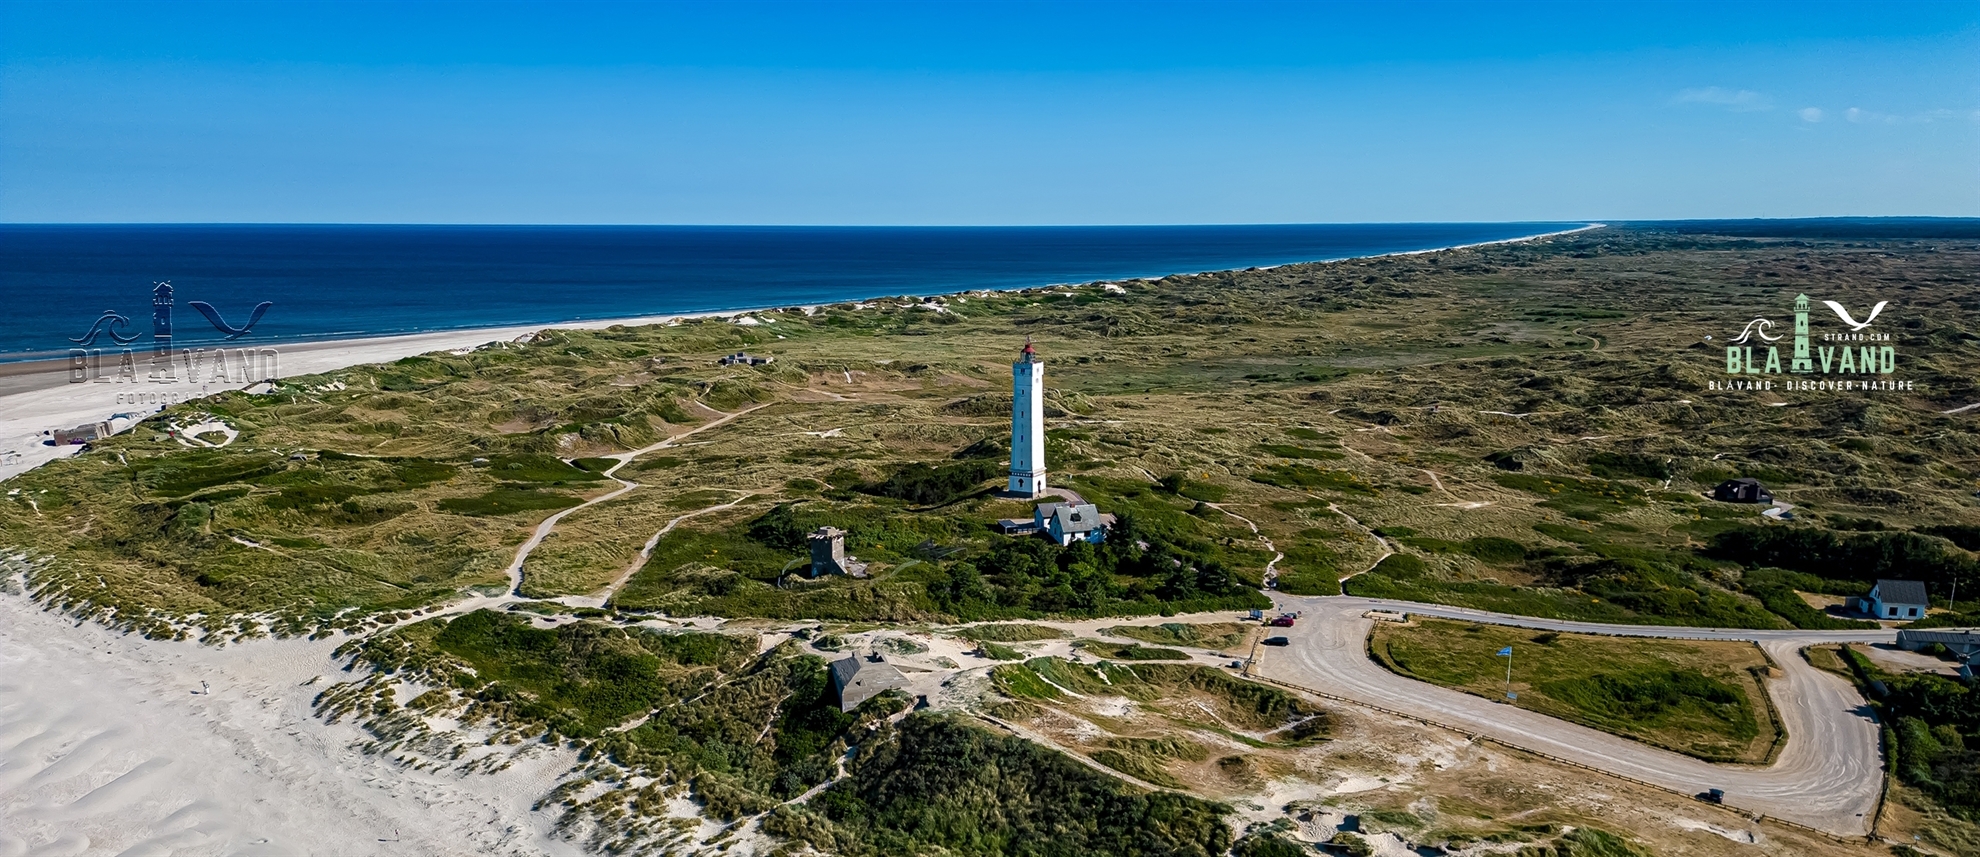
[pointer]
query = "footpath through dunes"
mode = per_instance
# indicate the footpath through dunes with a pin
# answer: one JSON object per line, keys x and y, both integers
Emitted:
{"x": 1828, "y": 776}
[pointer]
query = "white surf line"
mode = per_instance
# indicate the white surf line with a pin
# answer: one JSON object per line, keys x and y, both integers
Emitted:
{"x": 1388, "y": 550}
{"x": 1962, "y": 409}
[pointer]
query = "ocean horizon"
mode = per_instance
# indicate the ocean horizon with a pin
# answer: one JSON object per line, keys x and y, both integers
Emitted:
{"x": 325, "y": 282}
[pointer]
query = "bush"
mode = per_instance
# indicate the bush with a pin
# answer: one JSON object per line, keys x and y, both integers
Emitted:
{"x": 1862, "y": 557}
{"x": 936, "y": 784}
{"x": 924, "y": 485}
{"x": 508, "y": 501}
{"x": 1619, "y": 465}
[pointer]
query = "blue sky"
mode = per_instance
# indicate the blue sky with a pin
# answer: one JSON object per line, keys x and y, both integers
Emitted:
{"x": 985, "y": 113}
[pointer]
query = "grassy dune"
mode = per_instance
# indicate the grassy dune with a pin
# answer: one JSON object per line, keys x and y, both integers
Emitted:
{"x": 1700, "y": 698}
{"x": 1529, "y": 424}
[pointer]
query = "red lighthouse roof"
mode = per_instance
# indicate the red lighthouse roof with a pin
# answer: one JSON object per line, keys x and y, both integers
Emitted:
{"x": 1028, "y": 350}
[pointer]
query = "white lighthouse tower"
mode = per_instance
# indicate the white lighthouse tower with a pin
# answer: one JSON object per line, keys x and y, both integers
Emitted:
{"x": 1028, "y": 424}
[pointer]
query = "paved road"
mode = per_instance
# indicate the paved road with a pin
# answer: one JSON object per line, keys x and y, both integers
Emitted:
{"x": 1827, "y": 777}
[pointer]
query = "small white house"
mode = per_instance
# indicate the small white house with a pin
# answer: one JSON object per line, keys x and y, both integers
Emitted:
{"x": 1895, "y": 599}
{"x": 1066, "y": 523}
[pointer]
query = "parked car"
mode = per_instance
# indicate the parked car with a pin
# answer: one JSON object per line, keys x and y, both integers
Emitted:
{"x": 1277, "y": 641}
{"x": 1281, "y": 622}
{"x": 1713, "y": 795}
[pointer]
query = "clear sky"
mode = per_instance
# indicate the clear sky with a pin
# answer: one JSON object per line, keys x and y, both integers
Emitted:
{"x": 985, "y": 113}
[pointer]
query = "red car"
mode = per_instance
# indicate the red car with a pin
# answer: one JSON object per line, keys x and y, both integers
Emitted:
{"x": 1281, "y": 622}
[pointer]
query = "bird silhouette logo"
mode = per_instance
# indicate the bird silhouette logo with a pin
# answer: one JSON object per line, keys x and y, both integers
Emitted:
{"x": 220, "y": 324}
{"x": 1853, "y": 323}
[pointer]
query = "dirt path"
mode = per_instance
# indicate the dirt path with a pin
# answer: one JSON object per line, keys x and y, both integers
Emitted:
{"x": 544, "y": 529}
{"x": 604, "y": 596}
{"x": 1271, "y": 567}
{"x": 1828, "y": 776}
{"x": 1387, "y": 549}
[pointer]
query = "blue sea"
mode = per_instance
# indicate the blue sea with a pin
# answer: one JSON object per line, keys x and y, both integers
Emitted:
{"x": 335, "y": 282}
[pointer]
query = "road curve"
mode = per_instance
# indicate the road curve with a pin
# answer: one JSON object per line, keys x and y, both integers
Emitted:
{"x": 1828, "y": 776}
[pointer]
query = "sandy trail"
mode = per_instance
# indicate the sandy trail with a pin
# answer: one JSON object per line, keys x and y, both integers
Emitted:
{"x": 1828, "y": 776}
{"x": 604, "y": 596}
{"x": 1387, "y": 549}
{"x": 105, "y": 748}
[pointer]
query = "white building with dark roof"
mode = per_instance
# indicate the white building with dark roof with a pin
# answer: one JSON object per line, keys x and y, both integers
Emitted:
{"x": 1895, "y": 599}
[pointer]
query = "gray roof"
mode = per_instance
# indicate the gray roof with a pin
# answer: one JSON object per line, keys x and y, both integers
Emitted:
{"x": 1082, "y": 518}
{"x": 1901, "y": 592}
{"x": 859, "y": 679}
{"x": 1949, "y": 636}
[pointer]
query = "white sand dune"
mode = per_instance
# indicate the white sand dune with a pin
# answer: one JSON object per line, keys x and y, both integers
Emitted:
{"x": 105, "y": 748}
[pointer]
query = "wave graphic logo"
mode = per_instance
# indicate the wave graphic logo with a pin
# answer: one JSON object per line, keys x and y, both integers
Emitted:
{"x": 108, "y": 323}
{"x": 1757, "y": 327}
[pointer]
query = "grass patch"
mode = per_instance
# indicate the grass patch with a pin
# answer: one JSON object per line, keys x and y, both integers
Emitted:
{"x": 1010, "y": 632}
{"x": 1300, "y": 476}
{"x": 1284, "y": 450}
{"x": 1214, "y": 635}
{"x": 508, "y": 501}
{"x": 1700, "y": 698}
{"x": 938, "y": 785}
{"x": 1130, "y": 651}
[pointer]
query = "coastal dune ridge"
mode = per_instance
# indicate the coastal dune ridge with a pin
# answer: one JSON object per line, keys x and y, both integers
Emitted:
{"x": 36, "y": 397}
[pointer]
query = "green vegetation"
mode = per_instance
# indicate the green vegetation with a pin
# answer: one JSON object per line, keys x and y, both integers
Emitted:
{"x": 1000, "y": 652}
{"x": 1011, "y": 632}
{"x": 1933, "y": 733}
{"x": 1597, "y": 583}
{"x": 1213, "y": 635}
{"x": 748, "y": 731}
{"x": 1270, "y": 716}
{"x": 1857, "y": 557}
{"x": 1272, "y": 393}
{"x": 936, "y": 784}
{"x": 1586, "y": 842}
{"x": 1776, "y": 589}
{"x": 1699, "y": 698}
{"x": 507, "y": 501}
{"x": 1130, "y": 651}
{"x": 1283, "y": 450}
{"x": 583, "y": 677}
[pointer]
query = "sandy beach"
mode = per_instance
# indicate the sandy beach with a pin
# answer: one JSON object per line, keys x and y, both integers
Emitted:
{"x": 108, "y": 747}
